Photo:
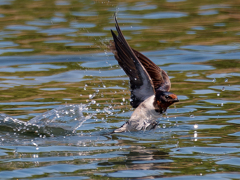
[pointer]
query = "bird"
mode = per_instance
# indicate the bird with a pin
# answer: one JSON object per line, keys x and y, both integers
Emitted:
{"x": 149, "y": 84}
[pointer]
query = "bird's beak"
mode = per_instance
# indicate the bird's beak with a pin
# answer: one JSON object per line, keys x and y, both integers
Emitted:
{"x": 175, "y": 100}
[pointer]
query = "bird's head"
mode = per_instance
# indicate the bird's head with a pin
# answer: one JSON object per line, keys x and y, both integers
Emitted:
{"x": 164, "y": 99}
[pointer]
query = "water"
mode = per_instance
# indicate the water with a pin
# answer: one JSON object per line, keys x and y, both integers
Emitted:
{"x": 62, "y": 92}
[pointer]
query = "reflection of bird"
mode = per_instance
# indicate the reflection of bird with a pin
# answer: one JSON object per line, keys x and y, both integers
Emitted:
{"x": 150, "y": 85}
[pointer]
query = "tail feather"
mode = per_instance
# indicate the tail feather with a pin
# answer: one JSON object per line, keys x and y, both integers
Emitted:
{"x": 123, "y": 128}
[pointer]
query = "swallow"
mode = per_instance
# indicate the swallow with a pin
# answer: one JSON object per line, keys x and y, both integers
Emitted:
{"x": 150, "y": 85}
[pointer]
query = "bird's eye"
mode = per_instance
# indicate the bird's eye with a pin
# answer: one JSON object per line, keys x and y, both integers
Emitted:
{"x": 167, "y": 96}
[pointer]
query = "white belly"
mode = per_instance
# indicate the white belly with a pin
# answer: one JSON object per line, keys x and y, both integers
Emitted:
{"x": 143, "y": 117}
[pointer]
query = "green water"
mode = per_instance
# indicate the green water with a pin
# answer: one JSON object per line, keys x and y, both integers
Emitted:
{"x": 54, "y": 54}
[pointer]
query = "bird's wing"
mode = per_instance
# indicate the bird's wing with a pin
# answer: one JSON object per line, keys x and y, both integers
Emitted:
{"x": 159, "y": 77}
{"x": 141, "y": 84}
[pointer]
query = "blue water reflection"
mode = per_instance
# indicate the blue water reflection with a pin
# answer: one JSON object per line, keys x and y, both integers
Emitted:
{"x": 62, "y": 92}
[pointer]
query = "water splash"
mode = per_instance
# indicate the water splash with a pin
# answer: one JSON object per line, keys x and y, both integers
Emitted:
{"x": 65, "y": 119}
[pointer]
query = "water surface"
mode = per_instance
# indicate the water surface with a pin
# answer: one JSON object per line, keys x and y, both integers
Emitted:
{"x": 62, "y": 92}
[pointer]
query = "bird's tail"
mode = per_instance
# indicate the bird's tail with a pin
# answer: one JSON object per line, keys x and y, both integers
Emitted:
{"x": 123, "y": 128}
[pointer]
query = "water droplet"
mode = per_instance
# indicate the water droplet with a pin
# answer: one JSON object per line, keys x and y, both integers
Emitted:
{"x": 84, "y": 88}
{"x": 195, "y": 126}
{"x": 123, "y": 99}
{"x": 195, "y": 134}
{"x": 104, "y": 86}
{"x": 218, "y": 94}
{"x": 223, "y": 88}
{"x": 93, "y": 102}
{"x": 90, "y": 96}
{"x": 226, "y": 80}
{"x": 221, "y": 104}
{"x": 214, "y": 80}
{"x": 192, "y": 116}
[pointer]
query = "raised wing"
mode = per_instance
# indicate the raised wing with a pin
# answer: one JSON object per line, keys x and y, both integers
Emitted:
{"x": 140, "y": 81}
{"x": 159, "y": 77}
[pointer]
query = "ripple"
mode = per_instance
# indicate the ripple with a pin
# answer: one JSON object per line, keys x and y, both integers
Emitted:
{"x": 55, "y": 168}
{"x": 129, "y": 16}
{"x": 52, "y": 89}
{"x": 59, "y": 41}
{"x": 222, "y": 75}
{"x": 217, "y": 48}
{"x": 214, "y": 6}
{"x": 93, "y": 34}
{"x": 218, "y": 101}
{"x": 182, "y": 97}
{"x": 79, "y": 44}
{"x": 226, "y": 144}
{"x": 204, "y": 91}
{"x": 139, "y": 6}
{"x": 58, "y": 19}
{"x": 189, "y": 67}
{"x": 207, "y": 13}
{"x": 99, "y": 64}
{"x": 206, "y": 150}
{"x": 219, "y": 24}
{"x": 82, "y": 25}
{"x": 57, "y": 31}
{"x": 84, "y": 13}
{"x": 69, "y": 76}
{"x": 39, "y": 22}
{"x": 190, "y": 32}
{"x": 219, "y": 176}
{"x": 22, "y": 27}
{"x": 227, "y": 88}
{"x": 215, "y": 112}
{"x": 175, "y": 0}
{"x": 164, "y": 15}
{"x": 14, "y": 50}
{"x": 62, "y": 3}
{"x": 198, "y": 28}
{"x": 142, "y": 6}
{"x": 136, "y": 173}
{"x": 3, "y": 33}
{"x": 7, "y": 44}
{"x": 231, "y": 161}
{"x": 235, "y": 121}
{"x": 31, "y": 67}
{"x": 235, "y": 134}
{"x": 6, "y": 2}
{"x": 27, "y": 103}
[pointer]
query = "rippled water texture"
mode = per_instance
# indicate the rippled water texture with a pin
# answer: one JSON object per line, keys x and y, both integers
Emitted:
{"x": 62, "y": 92}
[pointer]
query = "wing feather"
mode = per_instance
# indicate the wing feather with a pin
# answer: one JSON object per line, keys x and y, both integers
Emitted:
{"x": 159, "y": 77}
{"x": 141, "y": 84}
